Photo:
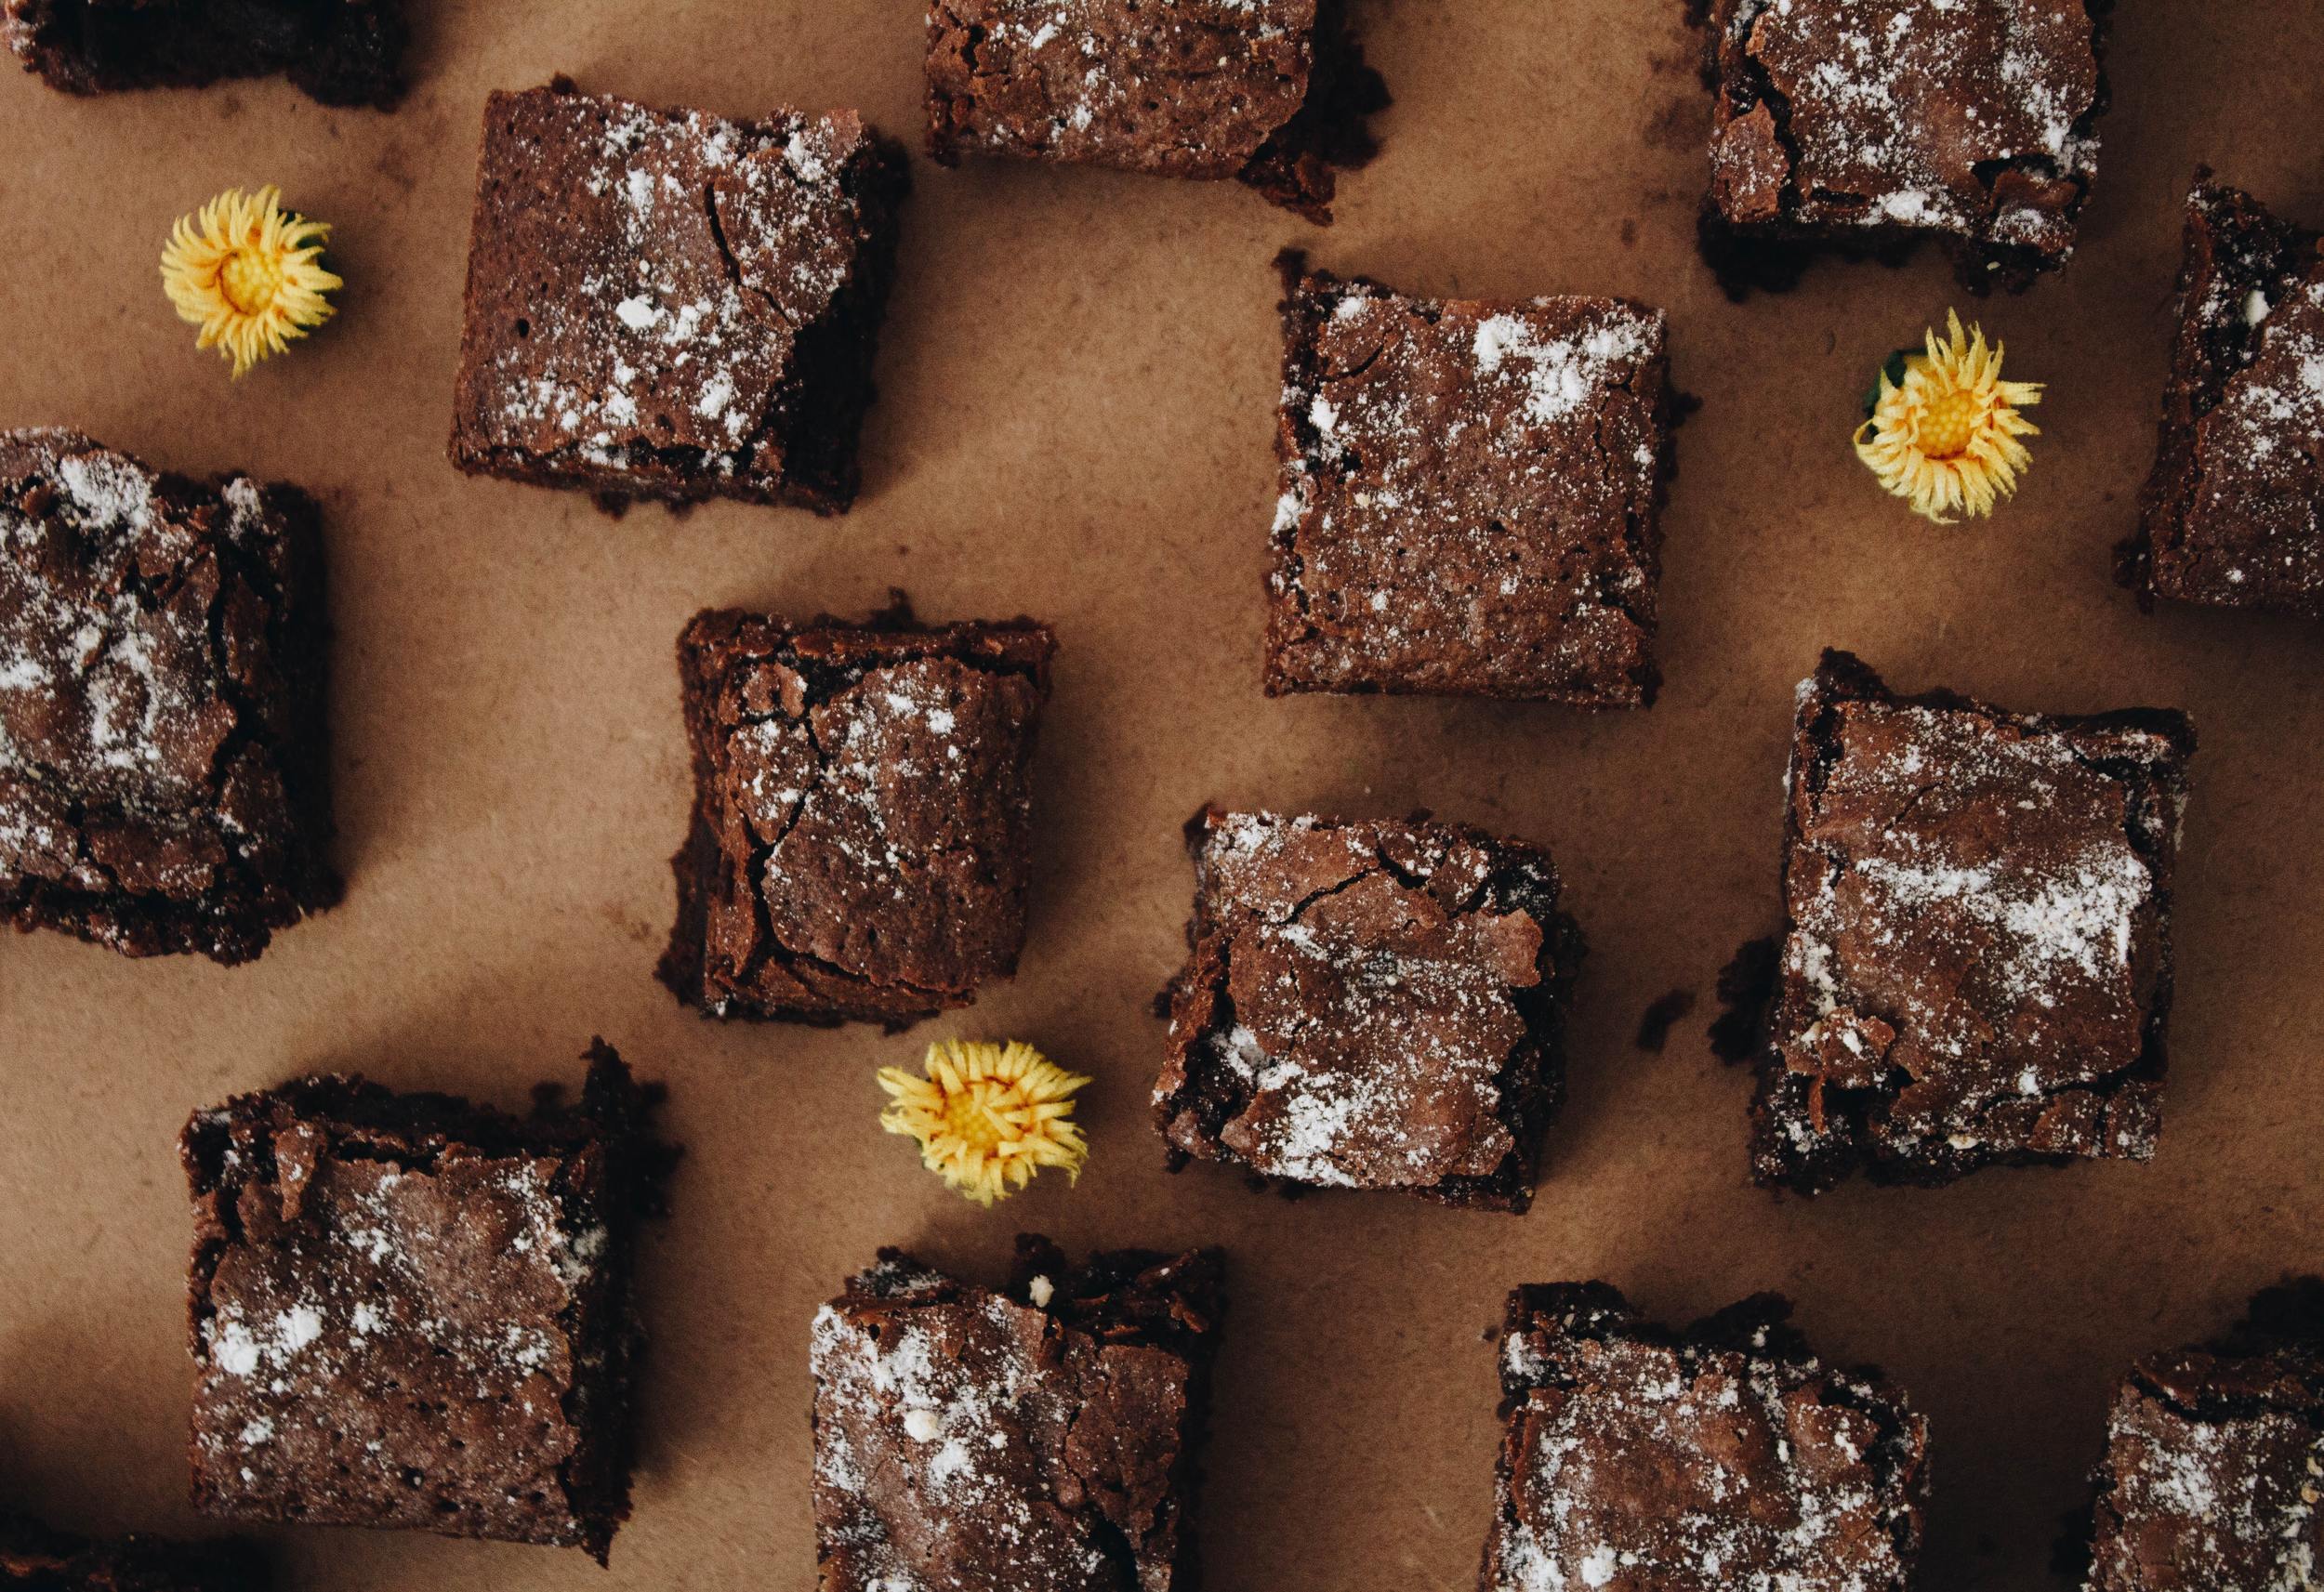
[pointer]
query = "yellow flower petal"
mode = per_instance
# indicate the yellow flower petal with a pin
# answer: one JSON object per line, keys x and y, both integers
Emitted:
{"x": 987, "y": 1116}
{"x": 1945, "y": 438}
{"x": 248, "y": 274}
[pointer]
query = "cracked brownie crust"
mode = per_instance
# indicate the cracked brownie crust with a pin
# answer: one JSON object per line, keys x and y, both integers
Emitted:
{"x": 33, "y": 1559}
{"x": 2233, "y": 515}
{"x": 1368, "y": 1005}
{"x": 1271, "y": 92}
{"x": 163, "y": 777}
{"x": 2214, "y": 1459}
{"x": 862, "y": 829}
{"x": 667, "y": 305}
{"x": 1471, "y": 496}
{"x": 341, "y": 52}
{"x": 409, "y": 1310}
{"x": 1037, "y": 1440}
{"x": 1638, "y": 1459}
{"x": 1976, "y": 960}
{"x": 1861, "y": 125}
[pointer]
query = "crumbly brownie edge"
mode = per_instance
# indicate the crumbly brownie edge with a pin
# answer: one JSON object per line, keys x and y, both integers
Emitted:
{"x": 1297, "y": 168}
{"x": 134, "y": 1563}
{"x": 81, "y": 48}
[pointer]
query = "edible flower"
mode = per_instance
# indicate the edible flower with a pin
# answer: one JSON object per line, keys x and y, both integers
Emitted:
{"x": 249, "y": 274}
{"x": 1943, "y": 426}
{"x": 987, "y": 1116}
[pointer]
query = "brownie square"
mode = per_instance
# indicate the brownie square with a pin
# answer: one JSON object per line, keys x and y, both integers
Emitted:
{"x": 662, "y": 304}
{"x": 1471, "y": 493}
{"x": 1976, "y": 958}
{"x": 1272, "y": 93}
{"x": 341, "y": 52}
{"x": 411, "y": 1310}
{"x": 1860, "y": 127}
{"x": 163, "y": 773}
{"x": 2233, "y": 513}
{"x": 33, "y": 1559}
{"x": 862, "y": 824}
{"x": 1037, "y": 1440}
{"x": 2214, "y": 1456}
{"x": 1370, "y": 1004}
{"x": 1725, "y": 1455}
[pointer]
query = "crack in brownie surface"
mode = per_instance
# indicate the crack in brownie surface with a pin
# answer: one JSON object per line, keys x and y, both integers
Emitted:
{"x": 1368, "y": 1005}
{"x": 1637, "y": 1459}
{"x": 1977, "y": 966}
{"x": 1469, "y": 495}
{"x": 162, "y": 770}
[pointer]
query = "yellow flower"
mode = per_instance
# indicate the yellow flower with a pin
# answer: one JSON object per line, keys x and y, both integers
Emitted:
{"x": 249, "y": 275}
{"x": 987, "y": 1117}
{"x": 1945, "y": 427}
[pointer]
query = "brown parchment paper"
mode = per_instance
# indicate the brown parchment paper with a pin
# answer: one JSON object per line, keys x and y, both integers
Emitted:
{"x": 1077, "y": 386}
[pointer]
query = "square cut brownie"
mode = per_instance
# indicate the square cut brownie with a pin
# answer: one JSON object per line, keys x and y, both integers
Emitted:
{"x": 409, "y": 1311}
{"x": 665, "y": 305}
{"x": 1469, "y": 498}
{"x": 861, "y": 830}
{"x": 1638, "y": 1459}
{"x": 33, "y": 1559}
{"x": 163, "y": 774}
{"x": 1274, "y": 93}
{"x": 1370, "y": 1004}
{"x": 2233, "y": 513}
{"x": 341, "y": 52}
{"x": 2216, "y": 1458}
{"x": 1976, "y": 958}
{"x": 1039, "y": 1439}
{"x": 1861, "y": 126}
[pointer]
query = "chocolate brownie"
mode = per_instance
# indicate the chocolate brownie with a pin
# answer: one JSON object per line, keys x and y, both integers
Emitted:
{"x": 1272, "y": 93}
{"x": 862, "y": 822}
{"x": 2234, "y": 512}
{"x": 1976, "y": 960}
{"x": 164, "y": 775}
{"x": 1037, "y": 1440}
{"x": 411, "y": 1310}
{"x": 1725, "y": 1455}
{"x": 2214, "y": 1459}
{"x": 342, "y": 52}
{"x": 1369, "y": 1004}
{"x": 33, "y": 1559}
{"x": 1861, "y": 126}
{"x": 662, "y": 304}
{"x": 1469, "y": 495}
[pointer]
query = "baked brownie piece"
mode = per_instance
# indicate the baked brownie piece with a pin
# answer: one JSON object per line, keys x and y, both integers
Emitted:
{"x": 2233, "y": 513}
{"x": 1725, "y": 1455}
{"x": 1274, "y": 93}
{"x": 2214, "y": 1456}
{"x": 1039, "y": 1440}
{"x": 1469, "y": 495}
{"x": 163, "y": 776}
{"x": 1369, "y": 1004}
{"x": 862, "y": 823}
{"x": 1976, "y": 960}
{"x": 409, "y": 1311}
{"x": 33, "y": 1559}
{"x": 666, "y": 305}
{"x": 342, "y": 52}
{"x": 1860, "y": 127}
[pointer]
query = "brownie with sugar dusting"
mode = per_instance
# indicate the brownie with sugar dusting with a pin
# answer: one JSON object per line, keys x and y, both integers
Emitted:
{"x": 2214, "y": 1459}
{"x": 1470, "y": 494}
{"x": 1976, "y": 965}
{"x": 412, "y": 1310}
{"x": 35, "y": 1559}
{"x": 165, "y": 780}
{"x": 1368, "y": 1004}
{"x": 1863, "y": 127}
{"x": 340, "y": 52}
{"x": 861, "y": 838}
{"x": 1729, "y": 1454}
{"x": 2233, "y": 515}
{"x": 668, "y": 305}
{"x": 1041, "y": 1437}
{"x": 1271, "y": 93}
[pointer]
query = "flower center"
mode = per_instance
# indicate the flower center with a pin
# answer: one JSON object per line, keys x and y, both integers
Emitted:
{"x": 249, "y": 280}
{"x": 1948, "y": 423}
{"x": 970, "y": 1115}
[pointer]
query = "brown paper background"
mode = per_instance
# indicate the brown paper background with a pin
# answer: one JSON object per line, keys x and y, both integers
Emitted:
{"x": 1077, "y": 376}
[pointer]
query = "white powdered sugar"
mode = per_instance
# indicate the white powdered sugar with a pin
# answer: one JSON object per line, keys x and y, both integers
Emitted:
{"x": 1561, "y": 374}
